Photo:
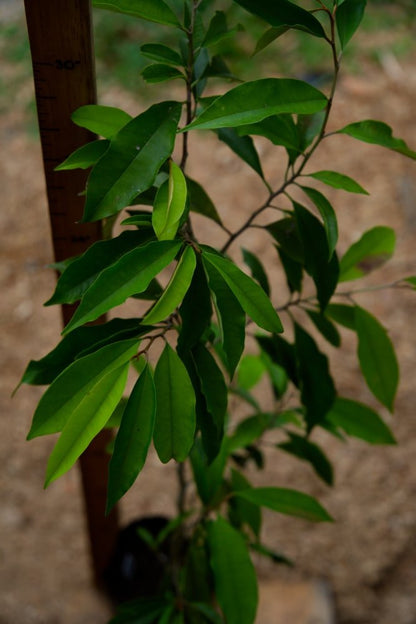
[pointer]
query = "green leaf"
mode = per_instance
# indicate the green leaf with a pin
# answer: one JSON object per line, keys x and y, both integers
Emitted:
{"x": 160, "y": 52}
{"x": 131, "y": 274}
{"x": 132, "y": 161}
{"x": 324, "y": 274}
{"x": 218, "y": 29}
{"x": 281, "y": 353}
{"x": 348, "y": 17}
{"x": 175, "y": 290}
{"x": 200, "y": 201}
{"x": 377, "y": 357}
{"x": 82, "y": 341}
{"x": 288, "y": 502}
{"x": 234, "y": 574}
{"x": 268, "y": 37}
{"x": 84, "y": 270}
{"x": 250, "y": 370}
{"x": 74, "y": 390}
{"x": 276, "y": 557}
{"x": 379, "y": 133}
{"x": 140, "y": 611}
{"x": 105, "y": 121}
{"x": 85, "y": 156}
{"x": 170, "y": 204}
{"x": 175, "y": 413}
{"x": 208, "y": 476}
{"x": 308, "y": 451}
{"x": 248, "y": 431}
{"x": 151, "y": 10}
{"x": 342, "y": 314}
{"x": 372, "y": 250}
{"x": 160, "y": 72}
{"x": 195, "y": 311}
{"x": 328, "y": 215}
{"x": 338, "y": 181}
{"x": 286, "y": 233}
{"x": 250, "y": 295}
{"x": 231, "y": 318}
{"x": 411, "y": 280}
{"x": 213, "y": 387}
{"x": 254, "y": 101}
{"x": 133, "y": 438}
{"x": 257, "y": 270}
{"x": 241, "y": 511}
{"x": 279, "y": 129}
{"x": 360, "y": 421}
{"x": 86, "y": 422}
{"x": 243, "y": 146}
{"x": 284, "y": 13}
{"x": 325, "y": 326}
{"x": 316, "y": 384}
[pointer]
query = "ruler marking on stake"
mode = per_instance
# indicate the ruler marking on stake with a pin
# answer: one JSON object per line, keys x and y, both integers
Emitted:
{"x": 63, "y": 71}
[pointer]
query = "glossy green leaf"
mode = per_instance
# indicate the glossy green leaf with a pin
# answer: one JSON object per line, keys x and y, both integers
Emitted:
{"x": 243, "y": 146}
{"x": 82, "y": 341}
{"x": 175, "y": 414}
{"x": 379, "y": 133}
{"x": 105, "y": 121}
{"x": 234, "y": 574}
{"x": 132, "y": 161}
{"x": 74, "y": 390}
{"x": 310, "y": 452}
{"x": 131, "y": 274}
{"x": 316, "y": 384}
{"x": 284, "y": 13}
{"x": 338, "y": 181}
{"x": 160, "y": 72}
{"x": 84, "y": 270}
{"x": 324, "y": 274}
{"x": 360, "y": 421}
{"x": 288, "y": 502}
{"x": 377, "y": 357}
{"x": 86, "y": 421}
{"x": 195, "y": 311}
{"x": 133, "y": 438}
{"x": 151, "y": 10}
{"x": 200, "y": 201}
{"x": 85, "y": 156}
{"x": 231, "y": 318}
{"x": 257, "y": 270}
{"x": 325, "y": 327}
{"x": 254, "y": 101}
{"x": 279, "y": 129}
{"x": 348, "y": 17}
{"x": 175, "y": 290}
{"x": 160, "y": 52}
{"x": 372, "y": 250}
{"x": 170, "y": 204}
{"x": 269, "y": 36}
{"x": 328, "y": 216}
{"x": 213, "y": 386}
{"x": 250, "y": 295}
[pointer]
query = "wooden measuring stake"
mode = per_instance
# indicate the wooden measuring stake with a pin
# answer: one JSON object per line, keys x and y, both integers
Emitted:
{"x": 63, "y": 69}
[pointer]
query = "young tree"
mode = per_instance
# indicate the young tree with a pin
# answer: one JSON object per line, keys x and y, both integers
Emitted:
{"x": 209, "y": 305}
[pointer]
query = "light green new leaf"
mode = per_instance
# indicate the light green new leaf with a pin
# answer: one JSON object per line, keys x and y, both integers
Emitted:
{"x": 377, "y": 357}
{"x": 131, "y": 274}
{"x": 175, "y": 414}
{"x": 379, "y": 133}
{"x": 286, "y": 501}
{"x": 84, "y": 270}
{"x": 328, "y": 215}
{"x": 338, "y": 181}
{"x": 151, "y": 10}
{"x": 360, "y": 421}
{"x": 372, "y": 250}
{"x": 284, "y": 13}
{"x": 254, "y": 101}
{"x": 133, "y": 438}
{"x": 105, "y": 121}
{"x": 74, "y": 388}
{"x": 85, "y": 156}
{"x": 234, "y": 575}
{"x": 130, "y": 165}
{"x": 162, "y": 53}
{"x": 86, "y": 422}
{"x": 170, "y": 204}
{"x": 250, "y": 370}
{"x": 160, "y": 72}
{"x": 250, "y": 295}
{"x": 175, "y": 290}
{"x": 200, "y": 202}
{"x": 348, "y": 17}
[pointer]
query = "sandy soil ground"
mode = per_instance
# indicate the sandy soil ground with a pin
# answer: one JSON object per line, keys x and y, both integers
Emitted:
{"x": 367, "y": 558}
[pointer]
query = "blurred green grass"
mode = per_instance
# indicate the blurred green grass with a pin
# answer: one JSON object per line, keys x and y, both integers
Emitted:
{"x": 387, "y": 27}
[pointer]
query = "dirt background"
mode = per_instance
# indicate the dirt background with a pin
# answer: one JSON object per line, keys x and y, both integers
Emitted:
{"x": 366, "y": 560}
